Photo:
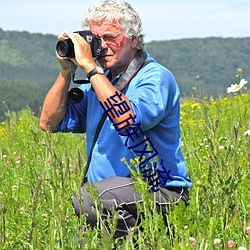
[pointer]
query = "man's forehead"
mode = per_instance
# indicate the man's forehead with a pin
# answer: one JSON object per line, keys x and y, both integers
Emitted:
{"x": 104, "y": 25}
{"x": 105, "y": 31}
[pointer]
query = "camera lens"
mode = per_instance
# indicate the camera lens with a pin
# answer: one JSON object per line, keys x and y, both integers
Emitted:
{"x": 75, "y": 95}
{"x": 65, "y": 48}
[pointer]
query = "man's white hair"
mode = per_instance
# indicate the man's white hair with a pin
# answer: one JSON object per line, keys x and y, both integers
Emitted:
{"x": 120, "y": 13}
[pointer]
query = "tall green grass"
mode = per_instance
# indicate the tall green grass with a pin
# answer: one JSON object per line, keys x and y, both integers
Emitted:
{"x": 40, "y": 172}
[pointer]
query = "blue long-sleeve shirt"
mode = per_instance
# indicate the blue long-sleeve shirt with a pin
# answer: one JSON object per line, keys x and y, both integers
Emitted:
{"x": 154, "y": 97}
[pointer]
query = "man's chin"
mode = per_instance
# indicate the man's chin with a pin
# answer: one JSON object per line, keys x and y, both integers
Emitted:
{"x": 104, "y": 63}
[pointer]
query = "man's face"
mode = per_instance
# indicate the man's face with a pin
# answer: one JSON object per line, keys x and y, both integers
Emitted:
{"x": 118, "y": 50}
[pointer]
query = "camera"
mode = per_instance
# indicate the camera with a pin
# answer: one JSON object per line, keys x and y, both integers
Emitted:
{"x": 65, "y": 48}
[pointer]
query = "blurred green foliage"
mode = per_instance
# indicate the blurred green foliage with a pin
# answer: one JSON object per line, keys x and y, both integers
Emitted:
{"x": 202, "y": 67}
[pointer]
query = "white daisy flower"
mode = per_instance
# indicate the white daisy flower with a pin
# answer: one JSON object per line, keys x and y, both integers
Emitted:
{"x": 237, "y": 87}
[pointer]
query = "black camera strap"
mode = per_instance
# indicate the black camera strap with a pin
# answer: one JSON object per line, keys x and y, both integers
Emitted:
{"x": 136, "y": 64}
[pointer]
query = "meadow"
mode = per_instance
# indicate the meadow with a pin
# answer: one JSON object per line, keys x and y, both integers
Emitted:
{"x": 40, "y": 172}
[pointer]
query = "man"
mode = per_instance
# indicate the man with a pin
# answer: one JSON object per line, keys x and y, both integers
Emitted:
{"x": 141, "y": 99}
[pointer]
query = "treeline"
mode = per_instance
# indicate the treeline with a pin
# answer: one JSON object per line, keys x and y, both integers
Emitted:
{"x": 28, "y": 68}
{"x": 16, "y": 95}
{"x": 204, "y": 67}
{"x": 210, "y": 64}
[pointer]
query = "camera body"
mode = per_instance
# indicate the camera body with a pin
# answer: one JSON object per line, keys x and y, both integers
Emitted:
{"x": 65, "y": 48}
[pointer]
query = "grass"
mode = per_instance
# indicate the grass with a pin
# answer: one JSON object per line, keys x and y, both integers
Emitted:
{"x": 40, "y": 172}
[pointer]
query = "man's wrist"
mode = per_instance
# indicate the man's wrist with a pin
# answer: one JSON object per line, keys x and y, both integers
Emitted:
{"x": 96, "y": 70}
{"x": 65, "y": 73}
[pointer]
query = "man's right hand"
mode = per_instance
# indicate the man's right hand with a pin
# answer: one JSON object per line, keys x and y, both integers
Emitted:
{"x": 66, "y": 63}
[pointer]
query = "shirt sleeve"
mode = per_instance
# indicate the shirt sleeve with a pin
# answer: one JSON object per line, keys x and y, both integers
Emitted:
{"x": 154, "y": 96}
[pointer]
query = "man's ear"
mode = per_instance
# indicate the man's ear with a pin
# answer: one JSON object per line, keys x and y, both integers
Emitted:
{"x": 134, "y": 42}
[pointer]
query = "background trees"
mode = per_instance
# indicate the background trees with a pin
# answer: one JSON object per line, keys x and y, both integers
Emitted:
{"x": 202, "y": 67}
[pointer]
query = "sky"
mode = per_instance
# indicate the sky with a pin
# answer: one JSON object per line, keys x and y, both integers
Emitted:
{"x": 162, "y": 19}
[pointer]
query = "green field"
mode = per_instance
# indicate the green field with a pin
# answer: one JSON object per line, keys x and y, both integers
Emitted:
{"x": 40, "y": 172}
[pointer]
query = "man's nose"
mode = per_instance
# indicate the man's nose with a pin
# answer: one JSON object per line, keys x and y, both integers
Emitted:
{"x": 104, "y": 44}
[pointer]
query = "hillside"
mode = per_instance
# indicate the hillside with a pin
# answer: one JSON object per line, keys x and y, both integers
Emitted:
{"x": 211, "y": 63}
{"x": 28, "y": 66}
